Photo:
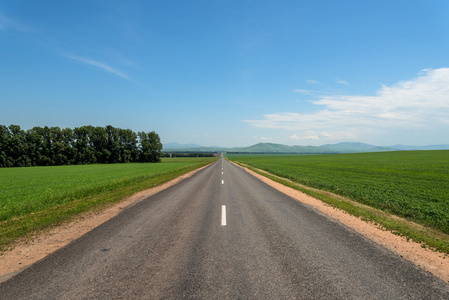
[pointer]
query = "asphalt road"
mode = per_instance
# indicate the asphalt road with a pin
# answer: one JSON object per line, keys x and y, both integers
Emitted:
{"x": 222, "y": 234}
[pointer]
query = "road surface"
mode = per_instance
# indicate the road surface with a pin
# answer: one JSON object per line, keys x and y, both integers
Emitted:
{"x": 222, "y": 234}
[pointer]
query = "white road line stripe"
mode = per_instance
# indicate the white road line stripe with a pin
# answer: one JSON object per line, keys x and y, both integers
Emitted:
{"x": 223, "y": 215}
{"x": 222, "y": 181}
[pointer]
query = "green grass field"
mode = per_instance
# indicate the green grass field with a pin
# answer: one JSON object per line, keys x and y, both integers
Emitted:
{"x": 37, "y": 197}
{"x": 410, "y": 184}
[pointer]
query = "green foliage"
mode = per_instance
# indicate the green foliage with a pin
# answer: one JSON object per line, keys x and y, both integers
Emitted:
{"x": 51, "y": 146}
{"x": 410, "y": 184}
{"x": 150, "y": 147}
{"x": 30, "y": 190}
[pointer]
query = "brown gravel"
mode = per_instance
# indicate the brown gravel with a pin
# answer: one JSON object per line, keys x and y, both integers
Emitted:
{"x": 25, "y": 254}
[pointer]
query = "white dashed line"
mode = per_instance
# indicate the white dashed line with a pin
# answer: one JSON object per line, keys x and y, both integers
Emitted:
{"x": 223, "y": 215}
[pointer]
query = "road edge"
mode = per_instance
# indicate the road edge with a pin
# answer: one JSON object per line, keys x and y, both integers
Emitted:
{"x": 428, "y": 260}
{"x": 23, "y": 255}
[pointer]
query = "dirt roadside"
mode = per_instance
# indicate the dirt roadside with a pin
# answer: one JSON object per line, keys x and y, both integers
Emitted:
{"x": 23, "y": 255}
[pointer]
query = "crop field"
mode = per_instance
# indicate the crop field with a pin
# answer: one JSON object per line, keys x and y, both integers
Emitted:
{"x": 410, "y": 184}
{"x": 30, "y": 190}
{"x": 34, "y": 198}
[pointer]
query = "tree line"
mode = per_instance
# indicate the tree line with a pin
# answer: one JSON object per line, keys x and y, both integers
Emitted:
{"x": 187, "y": 154}
{"x": 51, "y": 146}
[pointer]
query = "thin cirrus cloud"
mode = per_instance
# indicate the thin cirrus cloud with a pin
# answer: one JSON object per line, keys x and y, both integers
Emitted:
{"x": 311, "y": 81}
{"x": 97, "y": 64}
{"x": 306, "y": 92}
{"x": 262, "y": 138}
{"x": 341, "y": 81}
{"x": 310, "y": 92}
{"x": 9, "y": 24}
{"x": 6, "y": 23}
{"x": 308, "y": 136}
{"x": 419, "y": 103}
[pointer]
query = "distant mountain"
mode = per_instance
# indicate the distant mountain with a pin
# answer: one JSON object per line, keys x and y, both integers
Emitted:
{"x": 279, "y": 148}
{"x": 266, "y": 147}
{"x": 346, "y": 147}
{"x": 336, "y": 148}
{"x": 276, "y": 148}
{"x": 429, "y": 147}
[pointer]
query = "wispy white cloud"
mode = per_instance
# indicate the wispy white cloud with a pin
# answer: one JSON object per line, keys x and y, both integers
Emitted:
{"x": 419, "y": 103}
{"x": 97, "y": 64}
{"x": 262, "y": 138}
{"x": 310, "y": 92}
{"x": 313, "y": 82}
{"x": 4, "y": 22}
{"x": 7, "y": 23}
{"x": 340, "y": 81}
{"x": 302, "y": 91}
{"x": 310, "y": 135}
{"x": 294, "y": 137}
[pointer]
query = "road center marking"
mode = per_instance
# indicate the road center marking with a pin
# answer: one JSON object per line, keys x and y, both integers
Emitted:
{"x": 223, "y": 215}
{"x": 222, "y": 181}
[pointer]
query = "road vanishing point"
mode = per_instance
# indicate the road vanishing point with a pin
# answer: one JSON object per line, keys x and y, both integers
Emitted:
{"x": 223, "y": 234}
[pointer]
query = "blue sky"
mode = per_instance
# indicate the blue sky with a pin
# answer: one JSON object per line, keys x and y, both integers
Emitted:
{"x": 231, "y": 73}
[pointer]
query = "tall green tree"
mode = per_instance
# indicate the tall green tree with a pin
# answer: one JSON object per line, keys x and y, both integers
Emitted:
{"x": 48, "y": 146}
{"x": 46, "y": 153}
{"x": 113, "y": 144}
{"x": 128, "y": 145}
{"x": 68, "y": 150}
{"x": 150, "y": 147}
{"x": 16, "y": 149}
{"x": 5, "y": 141}
{"x": 99, "y": 143}
{"x": 58, "y": 147}
{"x": 83, "y": 153}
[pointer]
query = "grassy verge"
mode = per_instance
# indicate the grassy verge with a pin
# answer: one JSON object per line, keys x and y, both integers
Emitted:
{"x": 27, "y": 206}
{"x": 426, "y": 235}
